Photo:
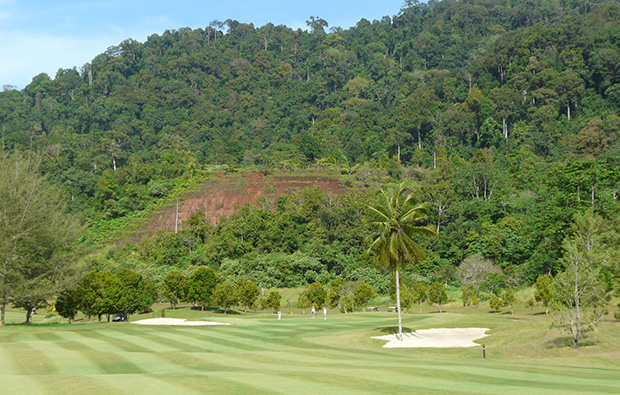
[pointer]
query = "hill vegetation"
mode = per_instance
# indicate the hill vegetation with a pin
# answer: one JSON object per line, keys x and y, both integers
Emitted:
{"x": 501, "y": 114}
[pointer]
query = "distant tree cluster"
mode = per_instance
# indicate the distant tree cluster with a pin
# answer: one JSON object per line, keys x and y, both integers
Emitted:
{"x": 105, "y": 293}
{"x": 346, "y": 296}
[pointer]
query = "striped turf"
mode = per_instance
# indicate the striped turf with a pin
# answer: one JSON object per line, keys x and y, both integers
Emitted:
{"x": 262, "y": 355}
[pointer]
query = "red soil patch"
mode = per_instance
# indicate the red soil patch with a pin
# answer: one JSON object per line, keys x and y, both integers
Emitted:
{"x": 226, "y": 195}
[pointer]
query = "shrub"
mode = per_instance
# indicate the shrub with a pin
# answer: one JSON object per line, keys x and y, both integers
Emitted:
{"x": 508, "y": 299}
{"x": 496, "y": 303}
{"x": 437, "y": 294}
{"x": 469, "y": 297}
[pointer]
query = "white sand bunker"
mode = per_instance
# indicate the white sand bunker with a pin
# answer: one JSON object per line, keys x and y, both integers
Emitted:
{"x": 177, "y": 321}
{"x": 438, "y": 338}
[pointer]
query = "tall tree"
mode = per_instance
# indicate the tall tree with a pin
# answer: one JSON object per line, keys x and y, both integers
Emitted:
{"x": 137, "y": 293}
{"x": 224, "y": 296}
{"x": 37, "y": 238}
{"x": 173, "y": 288}
{"x": 580, "y": 299}
{"x": 247, "y": 292}
{"x": 398, "y": 219}
{"x": 200, "y": 286}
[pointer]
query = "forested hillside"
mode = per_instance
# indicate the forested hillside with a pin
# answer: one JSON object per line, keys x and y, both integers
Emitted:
{"x": 502, "y": 114}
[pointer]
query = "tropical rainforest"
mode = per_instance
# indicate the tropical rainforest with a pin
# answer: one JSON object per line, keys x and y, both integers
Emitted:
{"x": 502, "y": 115}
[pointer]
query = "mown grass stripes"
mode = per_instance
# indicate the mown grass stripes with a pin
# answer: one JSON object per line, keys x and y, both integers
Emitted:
{"x": 258, "y": 355}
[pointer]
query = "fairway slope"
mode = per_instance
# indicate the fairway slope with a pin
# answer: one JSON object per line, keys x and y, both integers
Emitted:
{"x": 177, "y": 322}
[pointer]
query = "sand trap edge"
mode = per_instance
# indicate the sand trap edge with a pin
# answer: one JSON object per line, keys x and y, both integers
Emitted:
{"x": 436, "y": 338}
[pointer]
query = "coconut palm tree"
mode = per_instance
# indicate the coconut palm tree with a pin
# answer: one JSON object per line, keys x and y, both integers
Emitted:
{"x": 398, "y": 218}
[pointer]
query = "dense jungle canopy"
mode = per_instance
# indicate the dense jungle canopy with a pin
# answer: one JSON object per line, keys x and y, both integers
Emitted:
{"x": 502, "y": 114}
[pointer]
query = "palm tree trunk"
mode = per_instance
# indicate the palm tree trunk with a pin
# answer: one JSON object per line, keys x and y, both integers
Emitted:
{"x": 400, "y": 322}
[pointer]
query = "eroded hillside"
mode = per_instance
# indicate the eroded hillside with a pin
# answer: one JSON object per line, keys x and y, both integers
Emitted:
{"x": 223, "y": 194}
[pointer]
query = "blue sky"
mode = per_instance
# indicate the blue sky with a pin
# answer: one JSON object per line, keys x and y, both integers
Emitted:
{"x": 42, "y": 36}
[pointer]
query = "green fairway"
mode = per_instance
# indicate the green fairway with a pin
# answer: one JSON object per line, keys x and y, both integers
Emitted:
{"x": 259, "y": 354}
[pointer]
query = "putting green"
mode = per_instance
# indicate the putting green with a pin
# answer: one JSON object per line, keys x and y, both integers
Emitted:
{"x": 259, "y": 354}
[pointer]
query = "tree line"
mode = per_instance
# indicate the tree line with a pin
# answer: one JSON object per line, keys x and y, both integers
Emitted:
{"x": 124, "y": 292}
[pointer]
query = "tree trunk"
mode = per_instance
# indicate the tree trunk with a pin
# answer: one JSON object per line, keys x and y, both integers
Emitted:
{"x": 3, "y": 304}
{"x": 400, "y": 323}
{"x": 419, "y": 138}
{"x": 576, "y": 326}
{"x": 28, "y": 314}
{"x": 176, "y": 219}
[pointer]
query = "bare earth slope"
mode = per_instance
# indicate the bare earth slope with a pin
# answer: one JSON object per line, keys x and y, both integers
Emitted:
{"x": 224, "y": 194}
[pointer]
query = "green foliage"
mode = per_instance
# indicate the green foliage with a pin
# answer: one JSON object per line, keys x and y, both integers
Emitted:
{"x": 342, "y": 295}
{"x": 38, "y": 240}
{"x": 406, "y": 297}
{"x": 496, "y": 303}
{"x": 105, "y": 293}
{"x": 508, "y": 298}
{"x": 200, "y": 285}
{"x": 469, "y": 297}
{"x": 530, "y": 303}
{"x": 437, "y": 294}
{"x": 272, "y": 301}
{"x": 419, "y": 293}
{"x": 137, "y": 293}
{"x": 67, "y": 304}
{"x": 99, "y": 294}
{"x": 315, "y": 294}
{"x": 224, "y": 296}
{"x": 362, "y": 294}
{"x": 173, "y": 288}
{"x": 505, "y": 120}
{"x": 247, "y": 293}
{"x": 304, "y": 302}
{"x": 580, "y": 299}
{"x": 544, "y": 290}
{"x": 397, "y": 219}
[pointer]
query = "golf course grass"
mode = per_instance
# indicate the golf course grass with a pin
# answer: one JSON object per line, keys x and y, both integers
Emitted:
{"x": 298, "y": 355}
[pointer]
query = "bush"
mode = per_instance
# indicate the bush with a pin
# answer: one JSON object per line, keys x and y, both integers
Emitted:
{"x": 508, "y": 299}
{"x": 469, "y": 297}
{"x": 496, "y": 303}
{"x": 437, "y": 294}
{"x": 530, "y": 303}
{"x": 272, "y": 301}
